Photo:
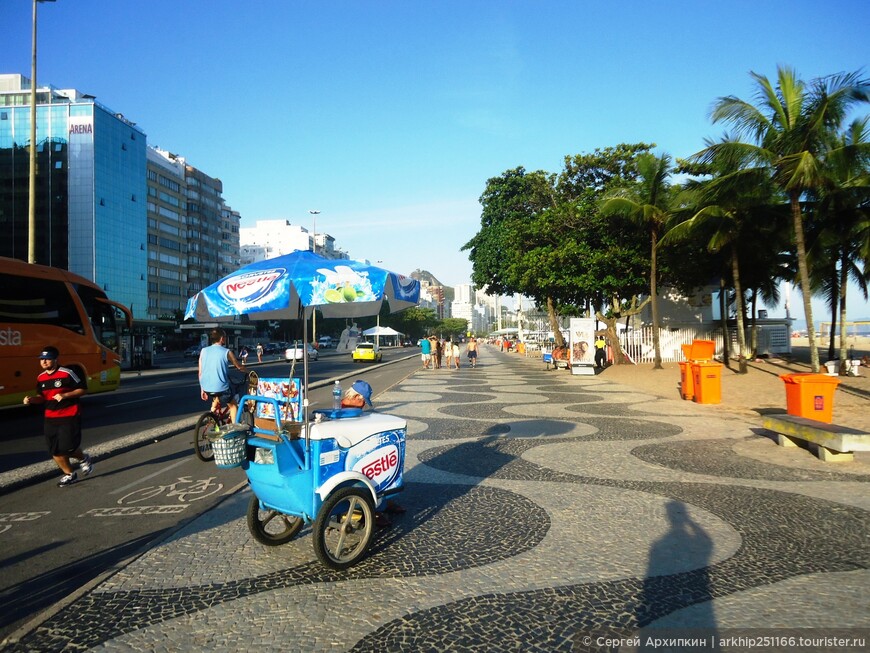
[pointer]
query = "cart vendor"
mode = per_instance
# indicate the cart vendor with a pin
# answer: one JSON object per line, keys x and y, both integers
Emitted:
{"x": 359, "y": 395}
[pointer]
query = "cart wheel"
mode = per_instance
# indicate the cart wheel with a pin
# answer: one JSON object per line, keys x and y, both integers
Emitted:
{"x": 271, "y": 527}
{"x": 207, "y": 423}
{"x": 344, "y": 526}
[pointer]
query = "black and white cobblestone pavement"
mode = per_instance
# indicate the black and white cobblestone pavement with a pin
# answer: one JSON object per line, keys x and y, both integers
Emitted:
{"x": 542, "y": 509}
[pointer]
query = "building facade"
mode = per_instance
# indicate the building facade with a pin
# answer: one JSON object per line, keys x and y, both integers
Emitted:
{"x": 90, "y": 188}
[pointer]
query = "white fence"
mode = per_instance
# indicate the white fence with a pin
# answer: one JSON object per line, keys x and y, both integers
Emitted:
{"x": 773, "y": 338}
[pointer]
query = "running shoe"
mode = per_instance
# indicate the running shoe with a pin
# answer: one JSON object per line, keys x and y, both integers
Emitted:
{"x": 86, "y": 466}
{"x": 67, "y": 479}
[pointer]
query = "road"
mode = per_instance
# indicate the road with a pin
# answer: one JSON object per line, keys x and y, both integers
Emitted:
{"x": 54, "y": 540}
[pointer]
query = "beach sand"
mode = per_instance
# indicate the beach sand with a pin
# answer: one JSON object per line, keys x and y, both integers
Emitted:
{"x": 760, "y": 391}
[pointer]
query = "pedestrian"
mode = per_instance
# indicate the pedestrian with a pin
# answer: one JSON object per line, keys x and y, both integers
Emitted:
{"x": 259, "y": 352}
{"x": 243, "y": 355}
{"x": 600, "y": 351}
{"x": 456, "y": 354}
{"x": 59, "y": 389}
{"x": 448, "y": 353}
{"x": 214, "y": 366}
{"x": 472, "y": 350}
{"x": 439, "y": 353}
{"x": 426, "y": 352}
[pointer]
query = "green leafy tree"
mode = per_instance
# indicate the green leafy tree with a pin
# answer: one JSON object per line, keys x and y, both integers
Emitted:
{"x": 791, "y": 127}
{"x": 649, "y": 204}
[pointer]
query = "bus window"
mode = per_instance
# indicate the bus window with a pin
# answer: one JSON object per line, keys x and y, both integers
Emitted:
{"x": 101, "y": 316}
{"x": 38, "y": 301}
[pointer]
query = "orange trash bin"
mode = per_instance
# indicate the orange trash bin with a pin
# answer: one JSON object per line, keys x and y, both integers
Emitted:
{"x": 810, "y": 395}
{"x": 707, "y": 382}
{"x": 687, "y": 386}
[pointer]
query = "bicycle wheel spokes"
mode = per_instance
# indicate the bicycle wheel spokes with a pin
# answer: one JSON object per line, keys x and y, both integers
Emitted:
{"x": 207, "y": 424}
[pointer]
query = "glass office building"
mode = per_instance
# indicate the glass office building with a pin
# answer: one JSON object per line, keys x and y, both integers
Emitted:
{"x": 91, "y": 193}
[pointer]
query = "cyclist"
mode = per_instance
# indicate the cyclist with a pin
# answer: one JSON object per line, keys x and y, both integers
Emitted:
{"x": 214, "y": 381}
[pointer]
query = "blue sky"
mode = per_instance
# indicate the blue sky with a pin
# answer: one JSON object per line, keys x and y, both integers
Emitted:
{"x": 389, "y": 116}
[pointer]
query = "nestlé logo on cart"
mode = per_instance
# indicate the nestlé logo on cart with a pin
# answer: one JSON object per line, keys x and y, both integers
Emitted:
{"x": 381, "y": 464}
{"x": 250, "y": 286}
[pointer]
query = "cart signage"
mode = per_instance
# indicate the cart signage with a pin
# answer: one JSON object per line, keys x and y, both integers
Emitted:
{"x": 380, "y": 463}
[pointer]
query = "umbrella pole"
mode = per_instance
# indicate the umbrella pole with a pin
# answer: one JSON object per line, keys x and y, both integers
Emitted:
{"x": 305, "y": 385}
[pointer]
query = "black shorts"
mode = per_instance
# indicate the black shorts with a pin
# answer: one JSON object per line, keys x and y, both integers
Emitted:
{"x": 472, "y": 354}
{"x": 63, "y": 435}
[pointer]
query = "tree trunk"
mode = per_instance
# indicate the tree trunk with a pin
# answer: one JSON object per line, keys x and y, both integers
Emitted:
{"x": 741, "y": 307}
{"x": 653, "y": 293}
{"x": 844, "y": 279}
{"x": 612, "y": 337}
{"x": 753, "y": 327}
{"x": 806, "y": 291}
{"x": 723, "y": 317}
{"x": 554, "y": 323}
{"x": 835, "y": 308}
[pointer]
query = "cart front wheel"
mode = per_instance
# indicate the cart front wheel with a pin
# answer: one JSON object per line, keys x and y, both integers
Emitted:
{"x": 270, "y": 527}
{"x": 344, "y": 526}
{"x": 206, "y": 424}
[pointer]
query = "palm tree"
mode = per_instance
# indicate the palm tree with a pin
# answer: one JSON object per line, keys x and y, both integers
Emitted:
{"x": 649, "y": 205}
{"x": 730, "y": 205}
{"x": 843, "y": 206}
{"x": 791, "y": 126}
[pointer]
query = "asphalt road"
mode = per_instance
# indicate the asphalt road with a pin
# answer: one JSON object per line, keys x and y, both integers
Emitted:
{"x": 54, "y": 540}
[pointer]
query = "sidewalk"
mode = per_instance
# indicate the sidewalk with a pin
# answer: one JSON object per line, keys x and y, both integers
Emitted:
{"x": 544, "y": 513}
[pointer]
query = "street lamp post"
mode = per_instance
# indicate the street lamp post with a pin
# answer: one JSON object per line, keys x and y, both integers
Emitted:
{"x": 314, "y": 215}
{"x": 31, "y": 205}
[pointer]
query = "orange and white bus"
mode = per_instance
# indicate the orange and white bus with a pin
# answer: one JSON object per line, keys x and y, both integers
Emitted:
{"x": 42, "y": 306}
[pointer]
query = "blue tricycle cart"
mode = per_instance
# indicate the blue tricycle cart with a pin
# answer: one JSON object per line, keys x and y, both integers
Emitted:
{"x": 333, "y": 473}
{"x": 330, "y": 468}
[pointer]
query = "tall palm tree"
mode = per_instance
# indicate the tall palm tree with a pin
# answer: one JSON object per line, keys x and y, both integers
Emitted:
{"x": 791, "y": 126}
{"x": 648, "y": 204}
{"x": 843, "y": 207}
{"x": 728, "y": 207}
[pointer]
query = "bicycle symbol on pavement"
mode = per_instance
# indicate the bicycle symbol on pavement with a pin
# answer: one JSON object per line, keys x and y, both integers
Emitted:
{"x": 184, "y": 489}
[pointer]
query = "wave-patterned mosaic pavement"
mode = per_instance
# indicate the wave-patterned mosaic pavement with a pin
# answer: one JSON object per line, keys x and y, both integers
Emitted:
{"x": 541, "y": 509}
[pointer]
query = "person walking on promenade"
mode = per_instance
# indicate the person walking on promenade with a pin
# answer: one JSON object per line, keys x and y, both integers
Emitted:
{"x": 448, "y": 353}
{"x": 426, "y": 352}
{"x": 439, "y": 352}
{"x": 214, "y": 365}
{"x": 456, "y": 354}
{"x": 259, "y": 352}
{"x": 472, "y": 349}
{"x": 600, "y": 351}
{"x": 59, "y": 389}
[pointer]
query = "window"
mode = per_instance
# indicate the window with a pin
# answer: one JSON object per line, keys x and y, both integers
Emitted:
{"x": 38, "y": 301}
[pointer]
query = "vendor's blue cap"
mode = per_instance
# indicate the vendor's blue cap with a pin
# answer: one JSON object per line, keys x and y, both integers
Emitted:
{"x": 364, "y": 389}
{"x": 49, "y": 353}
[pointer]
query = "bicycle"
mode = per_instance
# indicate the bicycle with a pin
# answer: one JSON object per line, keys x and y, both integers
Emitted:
{"x": 210, "y": 422}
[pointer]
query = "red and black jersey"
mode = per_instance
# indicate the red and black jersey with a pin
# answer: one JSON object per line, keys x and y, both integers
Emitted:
{"x": 61, "y": 380}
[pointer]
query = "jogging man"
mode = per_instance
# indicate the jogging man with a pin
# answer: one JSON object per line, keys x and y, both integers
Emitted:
{"x": 59, "y": 388}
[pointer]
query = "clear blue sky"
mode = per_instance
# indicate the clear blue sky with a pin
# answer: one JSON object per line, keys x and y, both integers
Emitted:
{"x": 389, "y": 116}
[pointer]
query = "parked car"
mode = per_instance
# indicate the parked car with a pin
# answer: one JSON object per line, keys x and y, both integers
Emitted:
{"x": 366, "y": 351}
{"x": 192, "y": 352}
{"x": 294, "y": 351}
{"x": 325, "y": 342}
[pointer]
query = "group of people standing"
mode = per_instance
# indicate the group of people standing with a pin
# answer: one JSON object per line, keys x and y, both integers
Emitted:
{"x": 437, "y": 353}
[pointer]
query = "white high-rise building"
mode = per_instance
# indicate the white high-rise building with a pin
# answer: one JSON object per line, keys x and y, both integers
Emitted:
{"x": 271, "y": 238}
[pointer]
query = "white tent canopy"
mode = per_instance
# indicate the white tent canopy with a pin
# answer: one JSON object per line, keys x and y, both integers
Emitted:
{"x": 381, "y": 331}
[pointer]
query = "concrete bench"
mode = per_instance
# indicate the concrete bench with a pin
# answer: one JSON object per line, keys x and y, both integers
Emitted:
{"x": 829, "y": 442}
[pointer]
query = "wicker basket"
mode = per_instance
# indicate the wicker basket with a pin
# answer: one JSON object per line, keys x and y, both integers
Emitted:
{"x": 229, "y": 446}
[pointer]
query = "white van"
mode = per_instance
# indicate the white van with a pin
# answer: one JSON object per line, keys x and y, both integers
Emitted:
{"x": 325, "y": 342}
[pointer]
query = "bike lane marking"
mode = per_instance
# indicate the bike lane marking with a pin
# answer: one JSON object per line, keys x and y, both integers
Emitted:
{"x": 9, "y": 518}
{"x": 150, "y": 476}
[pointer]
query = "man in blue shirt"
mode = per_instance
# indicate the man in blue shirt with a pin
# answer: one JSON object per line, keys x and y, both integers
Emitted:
{"x": 214, "y": 368}
{"x": 426, "y": 352}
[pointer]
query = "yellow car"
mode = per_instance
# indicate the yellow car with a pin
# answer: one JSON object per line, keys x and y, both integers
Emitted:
{"x": 366, "y": 351}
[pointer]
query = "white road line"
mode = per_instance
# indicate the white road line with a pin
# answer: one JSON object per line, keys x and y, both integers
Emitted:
{"x": 236, "y": 488}
{"x": 138, "y": 401}
{"x": 150, "y": 476}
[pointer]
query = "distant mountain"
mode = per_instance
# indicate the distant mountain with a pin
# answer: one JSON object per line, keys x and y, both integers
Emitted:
{"x": 425, "y": 275}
